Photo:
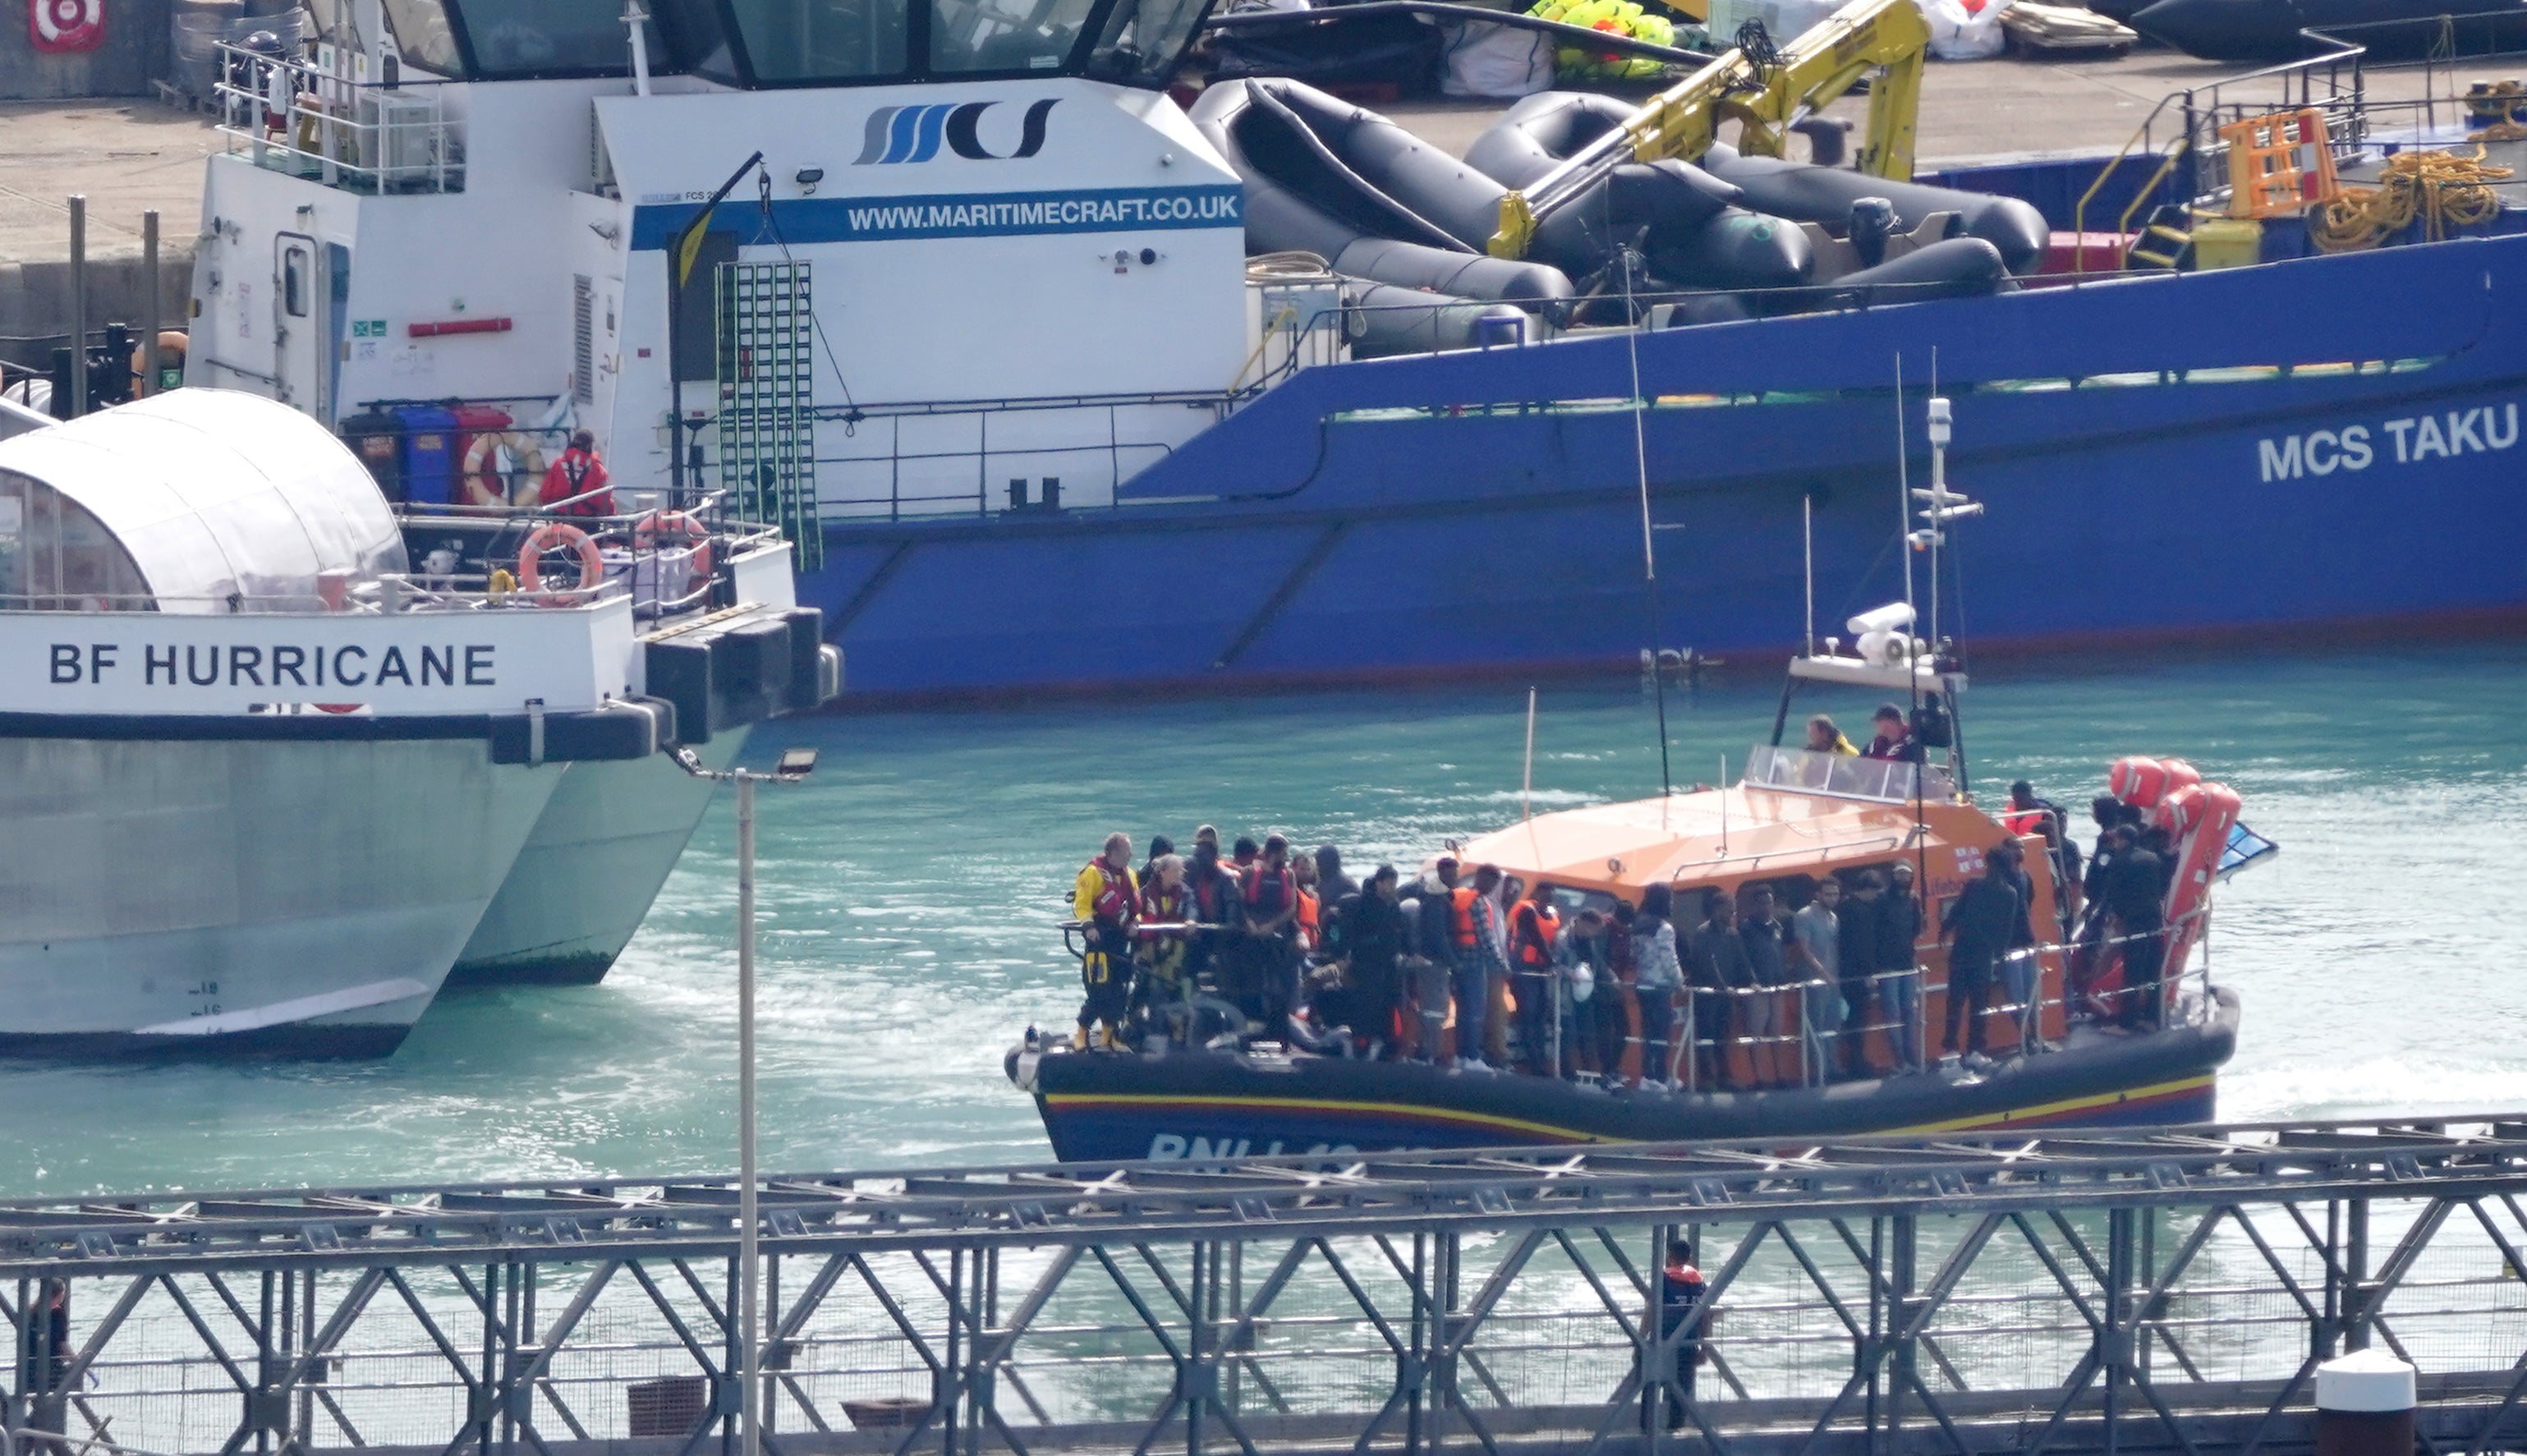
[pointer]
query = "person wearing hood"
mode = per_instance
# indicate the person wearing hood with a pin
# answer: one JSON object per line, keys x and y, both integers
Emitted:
{"x": 1211, "y": 891}
{"x": 1373, "y": 931}
{"x": 1335, "y": 885}
{"x": 1434, "y": 953}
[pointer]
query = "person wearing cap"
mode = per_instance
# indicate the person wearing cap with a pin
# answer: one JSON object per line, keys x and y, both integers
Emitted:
{"x": 1895, "y": 739}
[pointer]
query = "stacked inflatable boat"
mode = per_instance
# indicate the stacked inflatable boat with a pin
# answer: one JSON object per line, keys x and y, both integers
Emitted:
{"x": 1734, "y": 237}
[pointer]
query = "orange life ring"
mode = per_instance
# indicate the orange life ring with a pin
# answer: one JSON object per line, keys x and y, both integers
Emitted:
{"x": 486, "y": 484}
{"x": 647, "y": 531}
{"x": 558, "y": 536}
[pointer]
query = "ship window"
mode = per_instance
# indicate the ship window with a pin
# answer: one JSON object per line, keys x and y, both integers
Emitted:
{"x": 55, "y": 556}
{"x": 425, "y": 35}
{"x": 1004, "y": 34}
{"x": 1142, "y": 40}
{"x": 293, "y": 282}
{"x": 821, "y": 40}
{"x": 513, "y": 38}
{"x": 695, "y": 34}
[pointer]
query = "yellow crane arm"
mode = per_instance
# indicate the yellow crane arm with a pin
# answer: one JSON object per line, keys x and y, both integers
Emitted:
{"x": 1887, "y": 37}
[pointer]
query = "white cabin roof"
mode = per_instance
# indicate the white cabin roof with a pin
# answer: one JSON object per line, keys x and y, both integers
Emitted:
{"x": 215, "y": 492}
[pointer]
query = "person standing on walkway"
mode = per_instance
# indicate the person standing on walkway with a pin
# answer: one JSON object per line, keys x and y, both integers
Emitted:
{"x": 1680, "y": 1296}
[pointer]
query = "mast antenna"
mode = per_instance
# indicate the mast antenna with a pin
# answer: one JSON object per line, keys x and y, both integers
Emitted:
{"x": 1649, "y": 548}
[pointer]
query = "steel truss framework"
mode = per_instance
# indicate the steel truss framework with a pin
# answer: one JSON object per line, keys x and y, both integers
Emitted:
{"x": 2167, "y": 1290}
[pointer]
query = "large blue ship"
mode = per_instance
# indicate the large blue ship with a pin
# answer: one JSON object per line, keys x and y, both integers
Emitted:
{"x": 1007, "y": 342}
{"x": 2245, "y": 453}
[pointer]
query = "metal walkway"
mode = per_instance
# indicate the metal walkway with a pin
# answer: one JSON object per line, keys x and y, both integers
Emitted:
{"x": 2159, "y": 1291}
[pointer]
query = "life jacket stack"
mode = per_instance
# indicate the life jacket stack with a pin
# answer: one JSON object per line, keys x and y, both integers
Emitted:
{"x": 2196, "y": 816}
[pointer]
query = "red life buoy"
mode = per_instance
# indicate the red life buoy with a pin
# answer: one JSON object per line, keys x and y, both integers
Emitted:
{"x": 557, "y": 536}
{"x": 658, "y": 523}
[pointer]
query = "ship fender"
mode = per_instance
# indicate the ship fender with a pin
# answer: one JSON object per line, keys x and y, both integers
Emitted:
{"x": 1735, "y": 249}
{"x": 1825, "y": 195}
{"x": 1388, "y": 319}
{"x": 1951, "y": 268}
{"x": 1410, "y": 265}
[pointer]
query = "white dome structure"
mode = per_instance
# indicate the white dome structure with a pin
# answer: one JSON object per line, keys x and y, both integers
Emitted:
{"x": 196, "y": 500}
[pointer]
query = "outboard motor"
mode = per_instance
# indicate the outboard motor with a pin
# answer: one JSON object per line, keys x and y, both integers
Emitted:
{"x": 1873, "y": 222}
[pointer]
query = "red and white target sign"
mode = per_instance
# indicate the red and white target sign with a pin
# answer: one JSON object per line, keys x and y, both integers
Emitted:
{"x": 58, "y": 25}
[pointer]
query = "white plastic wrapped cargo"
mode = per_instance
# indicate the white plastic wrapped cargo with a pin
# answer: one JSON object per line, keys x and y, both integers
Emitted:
{"x": 196, "y": 500}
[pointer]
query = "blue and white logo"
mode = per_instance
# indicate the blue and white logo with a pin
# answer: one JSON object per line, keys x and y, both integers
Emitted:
{"x": 912, "y": 134}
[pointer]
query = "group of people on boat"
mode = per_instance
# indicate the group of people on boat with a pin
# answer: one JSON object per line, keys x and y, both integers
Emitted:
{"x": 1764, "y": 984}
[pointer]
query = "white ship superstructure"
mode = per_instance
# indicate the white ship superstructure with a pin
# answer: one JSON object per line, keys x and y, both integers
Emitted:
{"x": 259, "y": 786}
{"x": 271, "y": 783}
{"x": 995, "y": 206}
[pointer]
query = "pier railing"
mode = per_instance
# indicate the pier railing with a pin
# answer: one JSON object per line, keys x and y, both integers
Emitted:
{"x": 2169, "y": 1289}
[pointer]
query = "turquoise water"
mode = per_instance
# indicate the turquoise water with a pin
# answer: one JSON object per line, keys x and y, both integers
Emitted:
{"x": 911, "y": 888}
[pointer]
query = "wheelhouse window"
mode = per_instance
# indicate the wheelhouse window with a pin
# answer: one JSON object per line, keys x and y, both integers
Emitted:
{"x": 795, "y": 41}
{"x": 425, "y": 35}
{"x": 1143, "y": 40}
{"x": 1000, "y": 35}
{"x": 518, "y": 39}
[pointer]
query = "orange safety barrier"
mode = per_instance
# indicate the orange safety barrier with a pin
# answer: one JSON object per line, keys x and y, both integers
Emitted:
{"x": 2279, "y": 164}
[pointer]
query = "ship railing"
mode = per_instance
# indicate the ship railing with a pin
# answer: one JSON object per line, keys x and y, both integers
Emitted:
{"x": 1845, "y": 775}
{"x": 384, "y": 594}
{"x": 1801, "y": 1028}
{"x": 362, "y": 137}
{"x": 2181, "y": 134}
{"x": 939, "y": 457}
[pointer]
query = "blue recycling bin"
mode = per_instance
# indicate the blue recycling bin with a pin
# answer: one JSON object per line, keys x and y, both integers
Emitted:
{"x": 430, "y": 447}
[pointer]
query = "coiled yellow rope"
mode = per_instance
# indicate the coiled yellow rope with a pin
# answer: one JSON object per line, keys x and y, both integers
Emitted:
{"x": 2442, "y": 189}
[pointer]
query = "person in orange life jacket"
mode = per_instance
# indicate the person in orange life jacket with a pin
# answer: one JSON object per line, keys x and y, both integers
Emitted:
{"x": 578, "y": 474}
{"x": 1160, "y": 990}
{"x": 1681, "y": 1296}
{"x": 1895, "y": 738}
{"x": 1269, "y": 902}
{"x": 1108, "y": 900}
{"x": 1533, "y": 925}
{"x": 1473, "y": 936}
{"x": 1310, "y": 923}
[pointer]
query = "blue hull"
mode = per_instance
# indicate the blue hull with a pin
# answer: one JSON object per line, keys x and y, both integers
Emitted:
{"x": 2317, "y": 441}
{"x": 1204, "y": 1106}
